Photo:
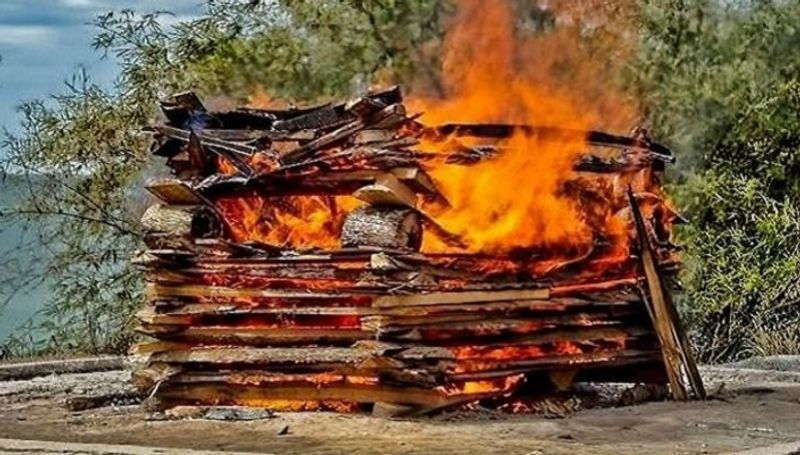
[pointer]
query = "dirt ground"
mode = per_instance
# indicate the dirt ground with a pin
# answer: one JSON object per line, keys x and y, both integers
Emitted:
{"x": 756, "y": 408}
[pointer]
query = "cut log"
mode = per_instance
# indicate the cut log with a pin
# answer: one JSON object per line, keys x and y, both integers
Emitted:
{"x": 175, "y": 226}
{"x": 386, "y": 227}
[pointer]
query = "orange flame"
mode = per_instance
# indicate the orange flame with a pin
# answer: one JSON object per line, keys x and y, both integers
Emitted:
{"x": 493, "y": 73}
{"x": 293, "y": 221}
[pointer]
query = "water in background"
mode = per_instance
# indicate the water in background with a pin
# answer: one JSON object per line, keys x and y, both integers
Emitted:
{"x": 25, "y": 303}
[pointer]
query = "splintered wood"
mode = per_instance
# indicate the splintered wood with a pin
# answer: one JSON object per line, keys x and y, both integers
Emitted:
{"x": 284, "y": 271}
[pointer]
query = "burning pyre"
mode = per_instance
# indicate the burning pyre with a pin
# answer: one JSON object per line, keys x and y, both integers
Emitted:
{"x": 344, "y": 255}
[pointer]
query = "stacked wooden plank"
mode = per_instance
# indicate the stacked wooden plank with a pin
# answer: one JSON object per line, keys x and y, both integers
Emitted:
{"x": 242, "y": 313}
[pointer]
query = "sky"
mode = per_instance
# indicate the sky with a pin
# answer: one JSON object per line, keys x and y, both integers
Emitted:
{"x": 44, "y": 42}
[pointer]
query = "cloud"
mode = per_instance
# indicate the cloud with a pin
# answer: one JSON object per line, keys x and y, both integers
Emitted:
{"x": 82, "y": 3}
{"x": 26, "y": 35}
{"x": 42, "y": 42}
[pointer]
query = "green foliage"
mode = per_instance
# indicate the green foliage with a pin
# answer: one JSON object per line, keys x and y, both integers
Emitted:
{"x": 720, "y": 83}
{"x": 743, "y": 269}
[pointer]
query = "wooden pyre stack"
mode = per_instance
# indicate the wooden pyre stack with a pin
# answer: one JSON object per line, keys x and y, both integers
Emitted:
{"x": 242, "y": 310}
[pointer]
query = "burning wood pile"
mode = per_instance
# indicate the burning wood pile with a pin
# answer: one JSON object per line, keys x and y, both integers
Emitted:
{"x": 318, "y": 258}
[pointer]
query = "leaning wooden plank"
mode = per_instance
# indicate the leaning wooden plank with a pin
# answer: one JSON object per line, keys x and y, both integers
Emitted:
{"x": 689, "y": 362}
{"x": 443, "y": 298}
{"x": 660, "y": 314}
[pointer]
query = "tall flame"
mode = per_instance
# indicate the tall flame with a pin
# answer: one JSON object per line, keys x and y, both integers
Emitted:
{"x": 491, "y": 73}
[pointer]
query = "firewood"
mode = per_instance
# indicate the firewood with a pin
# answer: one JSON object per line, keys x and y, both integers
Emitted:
{"x": 201, "y": 163}
{"x": 176, "y": 192}
{"x": 382, "y": 226}
{"x": 175, "y": 226}
{"x": 599, "y": 138}
{"x": 389, "y": 114}
{"x": 160, "y": 291}
{"x": 244, "y": 336}
{"x": 178, "y": 106}
{"x": 387, "y": 190}
{"x": 262, "y": 356}
{"x": 372, "y": 136}
{"x": 674, "y": 343}
{"x": 443, "y": 298}
{"x": 470, "y": 367}
{"x": 230, "y": 394}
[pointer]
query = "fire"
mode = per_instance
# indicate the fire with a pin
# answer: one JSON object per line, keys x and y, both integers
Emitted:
{"x": 486, "y": 386}
{"x": 526, "y": 196}
{"x": 490, "y": 74}
{"x": 294, "y": 221}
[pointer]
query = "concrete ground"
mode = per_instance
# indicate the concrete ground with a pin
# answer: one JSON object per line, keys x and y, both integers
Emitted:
{"x": 756, "y": 409}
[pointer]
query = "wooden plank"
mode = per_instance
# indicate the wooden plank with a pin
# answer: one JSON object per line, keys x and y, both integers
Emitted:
{"x": 157, "y": 291}
{"x": 593, "y": 287}
{"x": 181, "y": 308}
{"x": 660, "y": 314}
{"x": 262, "y": 356}
{"x": 554, "y": 305}
{"x": 176, "y": 192}
{"x": 443, "y": 298}
{"x": 257, "y": 337}
{"x": 468, "y": 368}
{"x": 249, "y": 395}
{"x": 574, "y": 316}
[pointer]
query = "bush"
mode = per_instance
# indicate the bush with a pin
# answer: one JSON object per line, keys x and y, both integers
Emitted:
{"x": 742, "y": 271}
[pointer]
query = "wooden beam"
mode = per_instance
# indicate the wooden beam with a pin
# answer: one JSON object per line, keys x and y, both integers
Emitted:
{"x": 443, "y": 298}
{"x": 660, "y": 313}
